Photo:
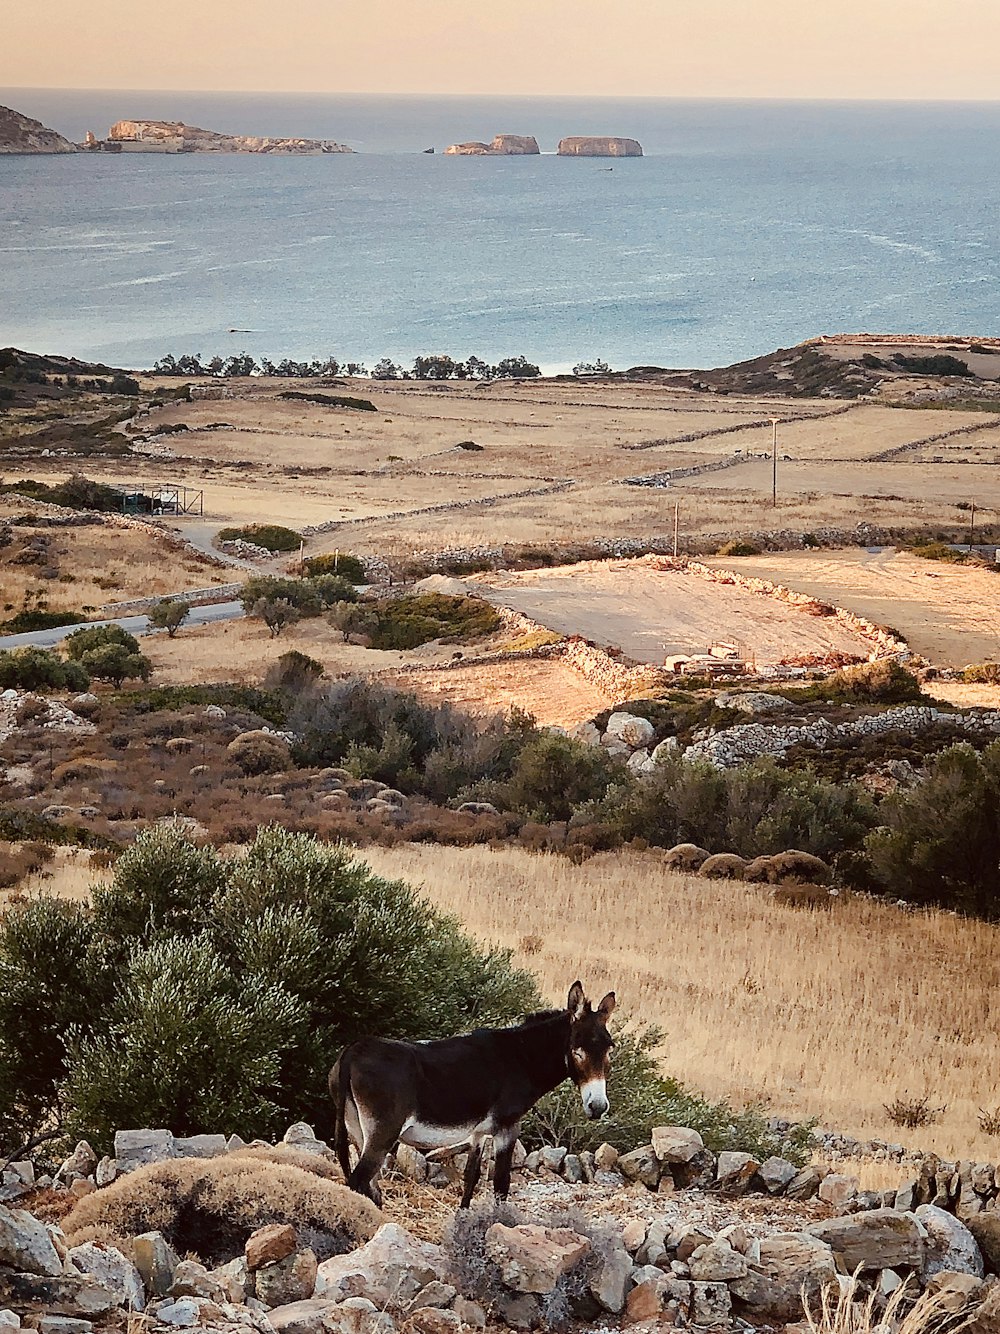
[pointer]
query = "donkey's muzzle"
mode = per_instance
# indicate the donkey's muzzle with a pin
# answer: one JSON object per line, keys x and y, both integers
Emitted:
{"x": 594, "y": 1097}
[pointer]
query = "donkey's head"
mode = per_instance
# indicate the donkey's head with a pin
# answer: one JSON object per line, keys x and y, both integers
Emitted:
{"x": 589, "y": 1053}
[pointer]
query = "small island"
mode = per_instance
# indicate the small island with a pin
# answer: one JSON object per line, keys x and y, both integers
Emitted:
{"x": 168, "y": 136}
{"x": 599, "y": 146}
{"x": 503, "y": 145}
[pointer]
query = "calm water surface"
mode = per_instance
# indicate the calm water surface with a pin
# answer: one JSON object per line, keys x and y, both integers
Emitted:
{"x": 745, "y": 227}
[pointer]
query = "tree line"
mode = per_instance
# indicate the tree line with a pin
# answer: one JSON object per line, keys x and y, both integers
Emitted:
{"x": 437, "y": 366}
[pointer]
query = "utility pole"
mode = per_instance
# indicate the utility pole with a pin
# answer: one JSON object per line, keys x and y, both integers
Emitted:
{"x": 676, "y": 508}
{"x": 972, "y": 525}
{"x": 774, "y": 461}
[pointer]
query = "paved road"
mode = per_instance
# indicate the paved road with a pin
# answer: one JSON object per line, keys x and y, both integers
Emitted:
{"x": 135, "y": 625}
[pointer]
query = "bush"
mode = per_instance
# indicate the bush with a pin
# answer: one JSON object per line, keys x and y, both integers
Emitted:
{"x": 294, "y": 672}
{"x": 40, "y": 669}
{"x": 276, "y": 613}
{"x": 77, "y": 492}
{"x": 270, "y": 536}
{"x": 169, "y": 614}
{"x": 737, "y": 548}
{"x": 97, "y": 637}
{"x": 553, "y": 775}
{"x": 332, "y": 400}
{"x": 350, "y": 568}
{"x": 407, "y": 622}
{"x": 641, "y": 1098}
{"x": 939, "y": 842}
{"x": 29, "y": 619}
{"x": 115, "y": 663}
{"x": 259, "y": 753}
{"x": 940, "y": 364}
{"x": 869, "y": 683}
{"x": 308, "y": 596}
{"x": 199, "y": 991}
{"x": 986, "y": 673}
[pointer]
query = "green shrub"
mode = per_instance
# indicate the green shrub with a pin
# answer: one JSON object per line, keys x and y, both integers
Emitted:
{"x": 294, "y": 672}
{"x": 200, "y": 991}
{"x": 96, "y": 637}
{"x": 259, "y": 753}
{"x": 939, "y": 364}
{"x": 985, "y": 673}
{"x": 270, "y": 536}
{"x": 308, "y": 596}
{"x": 350, "y": 568}
{"x": 553, "y": 775}
{"x": 939, "y": 842}
{"x": 33, "y": 618}
{"x": 77, "y": 492}
{"x": 869, "y": 683}
{"x": 276, "y": 613}
{"x": 738, "y": 548}
{"x": 115, "y": 663}
{"x": 642, "y": 1097}
{"x": 34, "y": 668}
{"x": 332, "y": 400}
{"x": 407, "y": 622}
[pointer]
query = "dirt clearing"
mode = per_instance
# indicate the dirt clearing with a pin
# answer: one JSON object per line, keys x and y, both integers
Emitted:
{"x": 552, "y": 691}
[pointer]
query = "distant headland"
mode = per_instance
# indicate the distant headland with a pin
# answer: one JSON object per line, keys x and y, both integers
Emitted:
{"x": 21, "y": 134}
{"x": 173, "y": 136}
{"x": 526, "y": 145}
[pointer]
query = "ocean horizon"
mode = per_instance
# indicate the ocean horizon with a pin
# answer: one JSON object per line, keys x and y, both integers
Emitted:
{"x": 746, "y": 226}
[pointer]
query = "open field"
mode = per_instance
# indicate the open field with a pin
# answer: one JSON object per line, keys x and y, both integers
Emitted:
{"x": 825, "y": 1013}
{"x": 948, "y": 613}
{"x": 549, "y": 689}
{"x": 650, "y": 613}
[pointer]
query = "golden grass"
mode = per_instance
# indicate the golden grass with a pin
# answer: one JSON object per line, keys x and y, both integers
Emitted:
{"x": 69, "y": 875}
{"x": 815, "y": 1013}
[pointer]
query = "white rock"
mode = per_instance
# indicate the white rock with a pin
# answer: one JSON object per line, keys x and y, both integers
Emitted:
{"x": 392, "y": 1266}
{"x": 137, "y": 1148}
{"x": 25, "y": 1244}
{"x": 676, "y": 1144}
{"x": 950, "y": 1245}
{"x": 629, "y": 730}
{"x": 112, "y": 1270}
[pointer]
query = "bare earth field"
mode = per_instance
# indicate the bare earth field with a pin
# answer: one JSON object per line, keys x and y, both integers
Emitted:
{"x": 650, "y": 613}
{"x": 948, "y": 613}
{"x": 806, "y": 1009}
{"x": 550, "y": 690}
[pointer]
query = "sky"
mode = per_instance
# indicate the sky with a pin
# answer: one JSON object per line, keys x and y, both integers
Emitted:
{"x": 913, "y": 49}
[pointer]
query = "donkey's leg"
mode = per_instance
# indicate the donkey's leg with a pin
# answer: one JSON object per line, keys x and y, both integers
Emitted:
{"x": 503, "y": 1153}
{"x": 473, "y": 1171}
{"x": 379, "y": 1139}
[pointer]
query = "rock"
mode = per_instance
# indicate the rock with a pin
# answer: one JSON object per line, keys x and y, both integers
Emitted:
{"x": 789, "y": 1264}
{"x": 691, "y": 1239}
{"x": 432, "y": 1320}
{"x": 25, "y": 1244}
{"x": 711, "y": 1304}
{"x": 292, "y": 1279}
{"x": 81, "y": 1162}
{"x": 63, "y": 1324}
{"x": 156, "y": 1262}
{"x": 470, "y": 1313}
{"x": 434, "y": 1293}
{"x": 777, "y": 1173}
{"x": 610, "y": 1283}
{"x": 136, "y": 1148}
{"x": 183, "y": 1313}
{"x": 653, "y": 1250}
{"x": 734, "y": 1171}
{"x": 269, "y": 1244}
{"x": 598, "y": 146}
{"x": 82, "y": 1186}
{"x": 717, "y": 1263}
{"x": 411, "y": 1162}
{"x": 837, "y": 1189}
{"x": 805, "y": 1184}
{"x": 640, "y": 762}
{"x": 700, "y": 1171}
{"x": 10, "y": 1322}
{"x": 200, "y": 1146}
{"x": 628, "y": 730}
{"x": 951, "y": 1246}
{"x": 357, "y": 1315}
{"x": 192, "y": 1279}
{"x": 70, "y": 1294}
{"x": 657, "y": 1294}
{"x": 302, "y": 1136}
{"x": 534, "y": 1258}
{"x": 164, "y": 136}
{"x": 552, "y": 1157}
{"x": 954, "y": 1291}
{"x": 667, "y": 747}
{"x": 572, "y": 1169}
{"x": 986, "y": 1230}
{"x": 875, "y": 1239}
{"x": 606, "y": 1157}
{"x": 392, "y": 1267}
{"x": 113, "y": 1270}
{"x": 503, "y": 145}
{"x": 676, "y": 1144}
{"x": 521, "y": 1311}
{"x": 634, "y": 1234}
{"x": 752, "y": 701}
{"x": 21, "y": 134}
{"x": 234, "y": 1280}
{"x": 106, "y": 1172}
{"x": 641, "y": 1165}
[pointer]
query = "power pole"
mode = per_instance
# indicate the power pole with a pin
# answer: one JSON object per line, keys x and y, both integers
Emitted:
{"x": 972, "y": 525}
{"x": 774, "y": 462}
{"x": 676, "y": 508}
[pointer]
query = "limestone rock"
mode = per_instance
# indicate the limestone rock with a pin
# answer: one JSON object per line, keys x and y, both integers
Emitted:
{"x": 954, "y": 1291}
{"x": 113, "y": 1270}
{"x": 156, "y": 1262}
{"x": 25, "y": 1244}
{"x": 392, "y": 1267}
{"x": 629, "y": 730}
{"x": 805, "y": 1184}
{"x": 63, "y": 1324}
{"x": 292, "y": 1279}
{"x": 837, "y": 1189}
{"x": 432, "y": 1320}
{"x": 357, "y": 1315}
{"x": 81, "y": 1162}
{"x": 606, "y": 1157}
{"x": 10, "y": 1322}
{"x": 234, "y": 1280}
{"x": 711, "y": 1304}
{"x": 777, "y": 1173}
{"x": 269, "y": 1244}
{"x": 192, "y": 1279}
{"x": 470, "y": 1313}
{"x": 717, "y": 1263}
{"x": 599, "y": 146}
{"x": 533, "y": 1258}
{"x": 735, "y": 1170}
{"x": 609, "y": 1284}
{"x": 641, "y": 1165}
{"x": 70, "y": 1294}
{"x": 788, "y": 1264}
{"x": 986, "y": 1230}
{"x": 21, "y": 134}
{"x": 200, "y": 1146}
{"x": 874, "y": 1239}
{"x": 676, "y": 1144}
{"x": 136, "y": 1148}
{"x": 302, "y": 1136}
{"x": 951, "y": 1246}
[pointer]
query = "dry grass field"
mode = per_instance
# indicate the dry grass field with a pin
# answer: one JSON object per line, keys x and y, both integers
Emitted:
{"x": 550, "y": 690}
{"x": 815, "y": 1013}
{"x": 948, "y": 613}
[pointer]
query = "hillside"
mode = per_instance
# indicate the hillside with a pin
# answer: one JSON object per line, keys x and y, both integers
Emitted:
{"x": 21, "y": 134}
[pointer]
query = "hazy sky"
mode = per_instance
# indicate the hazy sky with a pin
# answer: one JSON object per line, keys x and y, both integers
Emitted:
{"x": 683, "y": 48}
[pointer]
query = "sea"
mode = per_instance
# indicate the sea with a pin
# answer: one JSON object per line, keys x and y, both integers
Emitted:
{"x": 746, "y": 226}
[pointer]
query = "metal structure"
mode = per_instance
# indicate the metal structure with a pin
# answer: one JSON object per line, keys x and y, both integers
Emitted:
{"x": 159, "y": 499}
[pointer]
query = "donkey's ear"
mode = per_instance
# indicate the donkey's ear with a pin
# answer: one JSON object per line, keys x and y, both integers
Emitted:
{"x": 576, "y": 1002}
{"x": 607, "y": 1005}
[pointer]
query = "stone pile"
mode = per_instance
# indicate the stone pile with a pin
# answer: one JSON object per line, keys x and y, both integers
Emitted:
{"x": 49, "y": 714}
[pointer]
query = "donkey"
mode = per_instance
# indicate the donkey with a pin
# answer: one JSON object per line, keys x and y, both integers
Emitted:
{"x": 444, "y": 1094}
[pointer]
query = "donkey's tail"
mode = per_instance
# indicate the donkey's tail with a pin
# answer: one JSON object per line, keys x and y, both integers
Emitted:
{"x": 340, "y": 1091}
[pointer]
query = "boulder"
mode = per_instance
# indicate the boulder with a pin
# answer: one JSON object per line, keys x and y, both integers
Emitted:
{"x": 10, "y": 1322}
{"x": 470, "y": 1313}
{"x": 951, "y": 1246}
{"x": 301, "y": 1136}
{"x": 25, "y": 1244}
{"x": 777, "y": 1174}
{"x": 392, "y": 1267}
{"x": 137, "y": 1148}
{"x": 837, "y": 1189}
{"x": 641, "y": 1165}
{"x": 200, "y": 1146}
{"x": 63, "y": 1324}
{"x": 113, "y": 1270}
{"x": 789, "y": 1264}
{"x": 805, "y": 1184}
{"x": 699, "y": 1171}
{"x": 734, "y": 1171}
{"x": 954, "y": 1291}
{"x": 986, "y": 1230}
{"x": 292, "y": 1279}
{"x": 192, "y": 1279}
{"x": 70, "y": 1294}
{"x": 534, "y": 1258}
{"x": 717, "y": 1263}
{"x": 711, "y": 1304}
{"x": 234, "y": 1279}
{"x": 676, "y": 1144}
{"x": 689, "y": 1240}
{"x": 598, "y": 146}
{"x": 609, "y": 1283}
{"x": 874, "y": 1239}
{"x": 357, "y": 1315}
{"x": 606, "y": 1157}
{"x": 269, "y": 1244}
{"x": 81, "y": 1162}
{"x": 432, "y": 1320}
{"x": 629, "y": 730}
{"x": 156, "y": 1262}
{"x": 434, "y": 1293}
